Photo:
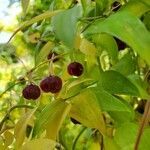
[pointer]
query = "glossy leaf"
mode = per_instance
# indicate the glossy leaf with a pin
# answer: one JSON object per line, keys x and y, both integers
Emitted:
{"x": 85, "y": 109}
{"x": 51, "y": 118}
{"x": 20, "y": 127}
{"x": 65, "y": 25}
{"x": 115, "y": 83}
{"x": 127, "y": 28}
{"x": 39, "y": 144}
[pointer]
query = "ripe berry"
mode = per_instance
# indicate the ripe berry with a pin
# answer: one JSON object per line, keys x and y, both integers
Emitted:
{"x": 51, "y": 84}
{"x": 75, "y": 69}
{"x": 31, "y": 91}
{"x": 121, "y": 45}
{"x": 74, "y": 121}
{"x": 54, "y": 54}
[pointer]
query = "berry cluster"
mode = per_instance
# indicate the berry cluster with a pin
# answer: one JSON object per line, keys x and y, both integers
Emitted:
{"x": 51, "y": 83}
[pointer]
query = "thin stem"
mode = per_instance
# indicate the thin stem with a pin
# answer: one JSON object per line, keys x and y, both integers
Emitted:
{"x": 77, "y": 138}
{"x": 21, "y": 62}
{"x": 10, "y": 110}
{"x": 143, "y": 124}
{"x": 13, "y": 34}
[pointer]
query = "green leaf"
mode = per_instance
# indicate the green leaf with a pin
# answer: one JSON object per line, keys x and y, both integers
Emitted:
{"x": 20, "y": 128}
{"x": 25, "y": 4}
{"x": 44, "y": 52}
{"x": 127, "y": 28}
{"x": 65, "y": 25}
{"x": 116, "y": 83}
{"x": 127, "y": 142}
{"x": 122, "y": 137}
{"x": 126, "y": 65}
{"x": 39, "y": 144}
{"x": 140, "y": 84}
{"x": 85, "y": 109}
{"x": 108, "y": 102}
{"x": 110, "y": 144}
{"x": 107, "y": 43}
{"x": 51, "y": 118}
{"x": 137, "y": 7}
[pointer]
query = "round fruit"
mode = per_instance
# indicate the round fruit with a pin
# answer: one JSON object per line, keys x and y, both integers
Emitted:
{"x": 31, "y": 91}
{"x": 54, "y": 54}
{"x": 75, "y": 69}
{"x": 74, "y": 121}
{"x": 51, "y": 84}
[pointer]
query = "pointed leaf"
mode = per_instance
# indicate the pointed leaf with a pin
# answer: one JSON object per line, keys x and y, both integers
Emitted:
{"x": 85, "y": 109}
{"x": 51, "y": 118}
{"x": 20, "y": 127}
{"x": 127, "y": 28}
{"x": 116, "y": 83}
{"x": 108, "y": 102}
{"x": 65, "y": 24}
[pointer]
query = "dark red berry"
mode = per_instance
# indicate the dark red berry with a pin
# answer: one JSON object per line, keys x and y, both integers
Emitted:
{"x": 75, "y": 69}
{"x": 121, "y": 44}
{"x": 74, "y": 121}
{"x": 51, "y": 84}
{"x": 54, "y": 54}
{"x": 31, "y": 91}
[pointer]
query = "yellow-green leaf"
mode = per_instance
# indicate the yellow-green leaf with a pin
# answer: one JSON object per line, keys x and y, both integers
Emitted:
{"x": 87, "y": 47}
{"x": 51, "y": 118}
{"x": 85, "y": 109}
{"x": 39, "y": 144}
{"x": 20, "y": 127}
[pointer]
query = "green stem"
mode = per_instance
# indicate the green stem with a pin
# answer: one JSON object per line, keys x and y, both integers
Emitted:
{"x": 10, "y": 110}
{"x": 77, "y": 138}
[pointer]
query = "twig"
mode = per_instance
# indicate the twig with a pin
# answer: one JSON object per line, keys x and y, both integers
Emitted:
{"x": 143, "y": 124}
{"x": 10, "y": 110}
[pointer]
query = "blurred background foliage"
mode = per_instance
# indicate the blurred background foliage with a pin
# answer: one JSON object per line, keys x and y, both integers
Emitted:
{"x": 25, "y": 50}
